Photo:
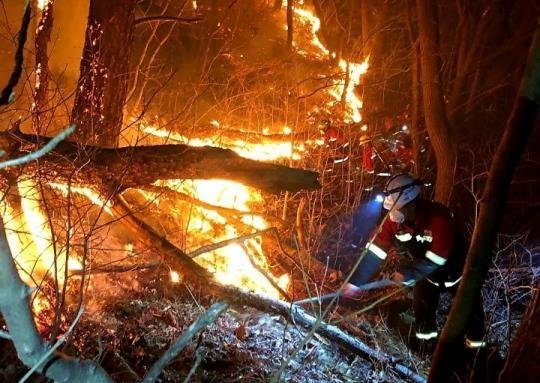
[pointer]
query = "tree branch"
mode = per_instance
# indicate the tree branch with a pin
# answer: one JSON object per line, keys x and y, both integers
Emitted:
{"x": 7, "y": 93}
{"x": 137, "y": 166}
{"x": 207, "y": 318}
{"x": 41, "y": 151}
{"x": 182, "y": 20}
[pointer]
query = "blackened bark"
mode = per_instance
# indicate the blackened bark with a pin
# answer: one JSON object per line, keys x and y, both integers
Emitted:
{"x": 437, "y": 123}
{"x": 523, "y": 363}
{"x": 109, "y": 169}
{"x": 290, "y": 24}
{"x": 518, "y": 130}
{"x": 102, "y": 86}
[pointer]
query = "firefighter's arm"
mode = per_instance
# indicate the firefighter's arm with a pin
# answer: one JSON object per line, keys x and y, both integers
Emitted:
{"x": 441, "y": 241}
{"x": 375, "y": 254}
{"x": 421, "y": 268}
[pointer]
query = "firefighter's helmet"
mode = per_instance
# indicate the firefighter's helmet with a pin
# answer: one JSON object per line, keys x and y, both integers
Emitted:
{"x": 400, "y": 190}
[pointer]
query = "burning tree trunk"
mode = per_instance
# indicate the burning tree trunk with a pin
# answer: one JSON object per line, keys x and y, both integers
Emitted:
{"x": 290, "y": 24}
{"x": 437, "y": 122}
{"x": 102, "y": 86}
{"x": 122, "y": 168}
{"x": 415, "y": 88}
{"x": 519, "y": 128}
{"x": 43, "y": 36}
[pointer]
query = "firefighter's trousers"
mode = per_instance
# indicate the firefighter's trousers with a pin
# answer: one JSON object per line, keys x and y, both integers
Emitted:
{"x": 425, "y": 303}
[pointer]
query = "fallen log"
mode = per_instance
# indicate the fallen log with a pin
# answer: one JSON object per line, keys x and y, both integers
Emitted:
{"x": 136, "y": 166}
{"x": 301, "y": 317}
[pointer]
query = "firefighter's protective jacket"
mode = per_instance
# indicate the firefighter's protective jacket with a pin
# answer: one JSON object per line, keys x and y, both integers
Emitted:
{"x": 432, "y": 239}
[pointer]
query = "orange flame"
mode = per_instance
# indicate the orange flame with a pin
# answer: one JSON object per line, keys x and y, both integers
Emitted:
{"x": 230, "y": 264}
{"x": 30, "y": 237}
{"x": 41, "y": 4}
{"x": 316, "y": 49}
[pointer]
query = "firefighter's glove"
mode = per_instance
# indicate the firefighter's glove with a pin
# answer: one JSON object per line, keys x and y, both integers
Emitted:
{"x": 397, "y": 277}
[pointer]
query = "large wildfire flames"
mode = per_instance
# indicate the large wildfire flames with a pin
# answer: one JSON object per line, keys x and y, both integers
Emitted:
{"x": 29, "y": 230}
{"x": 231, "y": 264}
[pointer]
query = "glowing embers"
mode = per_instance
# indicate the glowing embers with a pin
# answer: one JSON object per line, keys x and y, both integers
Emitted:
{"x": 175, "y": 277}
{"x": 238, "y": 263}
{"x": 30, "y": 238}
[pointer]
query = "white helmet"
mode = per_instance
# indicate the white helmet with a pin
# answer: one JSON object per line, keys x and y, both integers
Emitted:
{"x": 400, "y": 190}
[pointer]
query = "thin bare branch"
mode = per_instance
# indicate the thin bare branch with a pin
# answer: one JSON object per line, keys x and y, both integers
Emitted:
{"x": 58, "y": 343}
{"x": 41, "y": 151}
{"x": 218, "y": 245}
{"x": 207, "y": 318}
{"x": 182, "y": 20}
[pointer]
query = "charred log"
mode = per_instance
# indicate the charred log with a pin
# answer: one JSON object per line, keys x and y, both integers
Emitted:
{"x": 333, "y": 333}
{"x": 109, "y": 169}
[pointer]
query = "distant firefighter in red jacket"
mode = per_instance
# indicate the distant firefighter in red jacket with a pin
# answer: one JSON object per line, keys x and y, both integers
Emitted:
{"x": 428, "y": 232}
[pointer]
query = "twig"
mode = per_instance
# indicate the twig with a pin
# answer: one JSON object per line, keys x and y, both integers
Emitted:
{"x": 198, "y": 360}
{"x": 7, "y": 93}
{"x": 208, "y": 317}
{"x": 371, "y": 305}
{"x": 264, "y": 273}
{"x": 116, "y": 268}
{"x": 41, "y": 151}
{"x": 183, "y": 20}
{"x": 218, "y": 245}
{"x": 58, "y": 343}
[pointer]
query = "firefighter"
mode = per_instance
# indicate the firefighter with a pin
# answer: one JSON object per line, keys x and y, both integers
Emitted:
{"x": 335, "y": 142}
{"x": 427, "y": 230}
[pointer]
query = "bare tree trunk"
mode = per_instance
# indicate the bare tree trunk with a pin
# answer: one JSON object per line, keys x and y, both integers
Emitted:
{"x": 518, "y": 130}
{"x": 523, "y": 362}
{"x": 437, "y": 123}
{"x": 415, "y": 89}
{"x": 31, "y": 349}
{"x": 290, "y": 24}
{"x": 365, "y": 26}
{"x": 102, "y": 86}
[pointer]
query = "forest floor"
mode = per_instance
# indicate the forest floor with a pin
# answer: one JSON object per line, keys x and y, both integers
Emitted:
{"x": 132, "y": 318}
{"x": 128, "y": 333}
